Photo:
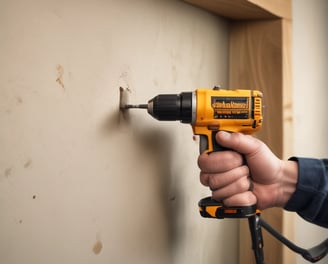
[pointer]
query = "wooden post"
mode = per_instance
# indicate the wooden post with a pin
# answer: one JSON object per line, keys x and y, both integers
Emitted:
{"x": 260, "y": 58}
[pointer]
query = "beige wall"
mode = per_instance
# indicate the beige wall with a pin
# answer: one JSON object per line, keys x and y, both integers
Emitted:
{"x": 80, "y": 182}
{"x": 310, "y": 64}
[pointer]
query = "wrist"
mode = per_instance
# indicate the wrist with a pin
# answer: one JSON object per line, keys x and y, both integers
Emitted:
{"x": 288, "y": 181}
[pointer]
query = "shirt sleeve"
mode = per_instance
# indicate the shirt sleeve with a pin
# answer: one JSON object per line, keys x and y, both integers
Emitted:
{"x": 310, "y": 200}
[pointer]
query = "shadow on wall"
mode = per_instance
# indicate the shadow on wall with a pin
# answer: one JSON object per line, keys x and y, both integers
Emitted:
{"x": 155, "y": 145}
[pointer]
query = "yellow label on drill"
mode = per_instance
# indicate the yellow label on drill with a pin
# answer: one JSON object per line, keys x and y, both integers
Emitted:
{"x": 230, "y": 107}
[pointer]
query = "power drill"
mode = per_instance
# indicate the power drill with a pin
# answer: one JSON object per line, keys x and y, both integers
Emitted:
{"x": 209, "y": 111}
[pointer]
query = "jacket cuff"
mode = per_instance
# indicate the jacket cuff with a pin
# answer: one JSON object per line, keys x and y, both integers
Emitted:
{"x": 310, "y": 195}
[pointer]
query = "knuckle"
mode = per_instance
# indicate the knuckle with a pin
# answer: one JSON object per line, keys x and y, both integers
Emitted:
{"x": 243, "y": 184}
{"x": 245, "y": 170}
{"x": 242, "y": 171}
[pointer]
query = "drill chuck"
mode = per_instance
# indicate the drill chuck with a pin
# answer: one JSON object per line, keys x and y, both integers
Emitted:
{"x": 170, "y": 107}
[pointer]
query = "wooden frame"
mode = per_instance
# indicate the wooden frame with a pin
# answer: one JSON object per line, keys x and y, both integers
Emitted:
{"x": 260, "y": 58}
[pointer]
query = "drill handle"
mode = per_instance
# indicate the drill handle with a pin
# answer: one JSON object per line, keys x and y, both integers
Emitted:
{"x": 216, "y": 209}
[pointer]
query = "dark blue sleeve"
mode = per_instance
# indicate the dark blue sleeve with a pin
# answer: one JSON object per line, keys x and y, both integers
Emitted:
{"x": 310, "y": 199}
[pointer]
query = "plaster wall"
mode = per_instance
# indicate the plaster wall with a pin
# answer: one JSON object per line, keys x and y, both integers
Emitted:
{"x": 310, "y": 53}
{"x": 81, "y": 182}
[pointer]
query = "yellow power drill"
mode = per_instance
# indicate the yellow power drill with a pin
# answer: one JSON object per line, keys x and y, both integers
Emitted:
{"x": 209, "y": 111}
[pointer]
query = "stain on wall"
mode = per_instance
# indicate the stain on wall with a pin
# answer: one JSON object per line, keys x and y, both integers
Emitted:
{"x": 28, "y": 164}
{"x": 97, "y": 247}
{"x": 72, "y": 165}
{"x": 7, "y": 172}
{"x": 60, "y": 73}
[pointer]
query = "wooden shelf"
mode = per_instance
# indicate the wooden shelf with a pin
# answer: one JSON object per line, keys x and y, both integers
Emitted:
{"x": 247, "y": 9}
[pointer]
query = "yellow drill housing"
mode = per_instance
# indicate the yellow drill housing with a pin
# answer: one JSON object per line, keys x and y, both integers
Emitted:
{"x": 228, "y": 110}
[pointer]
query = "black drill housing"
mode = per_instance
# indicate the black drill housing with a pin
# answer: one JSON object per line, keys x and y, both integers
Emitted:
{"x": 170, "y": 107}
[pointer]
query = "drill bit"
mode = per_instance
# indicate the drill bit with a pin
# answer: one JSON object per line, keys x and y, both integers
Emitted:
{"x": 141, "y": 106}
{"x": 124, "y": 99}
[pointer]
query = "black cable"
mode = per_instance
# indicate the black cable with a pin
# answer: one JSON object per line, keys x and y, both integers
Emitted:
{"x": 313, "y": 254}
{"x": 257, "y": 238}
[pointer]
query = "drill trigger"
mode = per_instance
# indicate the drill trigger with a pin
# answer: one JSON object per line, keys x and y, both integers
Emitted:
{"x": 203, "y": 143}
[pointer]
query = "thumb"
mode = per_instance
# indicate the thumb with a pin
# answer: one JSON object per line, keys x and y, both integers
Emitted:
{"x": 244, "y": 144}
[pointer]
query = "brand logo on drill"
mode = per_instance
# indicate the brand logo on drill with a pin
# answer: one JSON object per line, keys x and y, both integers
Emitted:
{"x": 230, "y": 107}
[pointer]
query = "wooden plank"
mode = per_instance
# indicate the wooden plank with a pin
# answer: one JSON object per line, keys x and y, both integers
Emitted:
{"x": 257, "y": 52}
{"x": 287, "y": 91}
{"x": 288, "y": 218}
{"x": 246, "y": 9}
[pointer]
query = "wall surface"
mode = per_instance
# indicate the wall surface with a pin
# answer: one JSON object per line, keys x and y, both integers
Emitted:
{"x": 310, "y": 79}
{"x": 81, "y": 182}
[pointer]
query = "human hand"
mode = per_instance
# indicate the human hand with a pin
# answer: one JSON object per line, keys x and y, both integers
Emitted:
{"x": 264, "y": 179}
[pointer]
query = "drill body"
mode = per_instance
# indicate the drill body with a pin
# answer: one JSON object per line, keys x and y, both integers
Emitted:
{"x": 209, "y": 111}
